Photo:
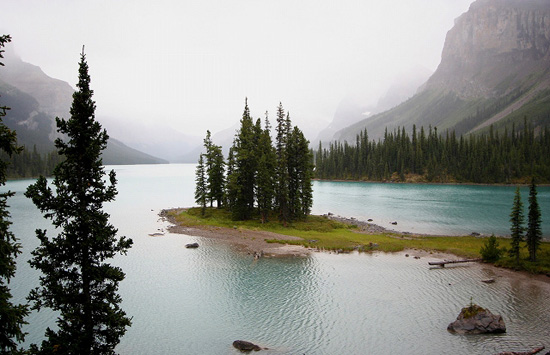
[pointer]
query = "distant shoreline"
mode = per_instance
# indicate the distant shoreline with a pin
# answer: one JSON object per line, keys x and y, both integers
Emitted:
{"x": 430, "y": 183}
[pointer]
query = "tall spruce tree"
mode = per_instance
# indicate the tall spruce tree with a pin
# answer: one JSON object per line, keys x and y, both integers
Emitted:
{"x": 244, "y": 170}
{"x": 201, "y": 191}
{"x": 282, "y": 174}
{"x": 214, "y": 168}
{"x": 300, "y": 169}
{"x": 11, "y": 315}
{"x": 533, "y": 236}
{"x": 76, "y": 280}
{"x": 267, "y": 161}
{"x": 231, "y": 187}
{"x": 517, "y": 229}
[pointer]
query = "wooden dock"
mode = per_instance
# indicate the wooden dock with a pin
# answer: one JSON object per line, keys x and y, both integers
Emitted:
{"x": 444, "y": 262}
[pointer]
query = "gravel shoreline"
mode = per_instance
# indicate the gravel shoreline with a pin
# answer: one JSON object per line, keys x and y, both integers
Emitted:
{"x": 366, "y": 227}
{"x": 254, "y": 242}
{"x": 250, "y": 241}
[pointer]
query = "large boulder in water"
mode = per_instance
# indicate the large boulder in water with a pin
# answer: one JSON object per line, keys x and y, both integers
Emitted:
{"x": 246, "y": 346}
{"x": 477, "y": 320}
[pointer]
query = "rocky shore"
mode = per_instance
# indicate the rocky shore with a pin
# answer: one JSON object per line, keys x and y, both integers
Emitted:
{"x": 250, "y": 241}
{"x": 254, "y": 242}
{"x": 365, "y": 227}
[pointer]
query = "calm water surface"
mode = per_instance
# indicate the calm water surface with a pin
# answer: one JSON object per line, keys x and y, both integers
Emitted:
{"x": 427, "y": 208}
{"x": 186, "y": 301}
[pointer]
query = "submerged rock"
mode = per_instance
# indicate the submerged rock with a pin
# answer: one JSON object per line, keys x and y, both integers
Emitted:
{"x": 192, "y": 245}
{"x": 477, "y": 320}
{"x": 530, "y": 352}
{"x": 246, "y": 346}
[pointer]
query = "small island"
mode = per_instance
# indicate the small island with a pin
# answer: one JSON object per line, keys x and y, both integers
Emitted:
{"x": 332, "y": 234}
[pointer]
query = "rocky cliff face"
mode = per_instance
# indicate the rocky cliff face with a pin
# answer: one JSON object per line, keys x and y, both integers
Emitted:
{"x": 495, "y": 42}
{"x": 494, "y": 71}
{"x": 54, "y": 96}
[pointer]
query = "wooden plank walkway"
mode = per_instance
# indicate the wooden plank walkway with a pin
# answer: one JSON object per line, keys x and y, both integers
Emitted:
{"x": 444, "y": 262}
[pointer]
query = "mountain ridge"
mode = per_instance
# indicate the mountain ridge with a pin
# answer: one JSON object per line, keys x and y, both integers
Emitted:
{"x": 35, "y": 99}
{"x": 494, "y": 70}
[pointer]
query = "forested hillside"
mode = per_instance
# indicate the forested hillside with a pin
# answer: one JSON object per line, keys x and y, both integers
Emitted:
{"x": 429, "y": 156}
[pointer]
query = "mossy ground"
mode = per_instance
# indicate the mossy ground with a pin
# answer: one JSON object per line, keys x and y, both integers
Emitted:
{"x": 325, "y": 234}
{"x": 471, "y": 311}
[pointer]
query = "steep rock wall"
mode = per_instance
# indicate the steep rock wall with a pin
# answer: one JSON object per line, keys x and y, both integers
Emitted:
{"x": 495, "y": 45}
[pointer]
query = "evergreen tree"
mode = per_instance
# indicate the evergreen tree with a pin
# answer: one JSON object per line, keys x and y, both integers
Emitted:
{"x": 76, "y": 280}
{"x": 231, "y": 187}
{"x": 200, "y": 185}
{"x": 216, "y": 176}
{"x": 282, "y": 174}
{"x": 207, "y": 165}
{"x": 517, "y": 229}
{"x": 11, "y": 316}
{"x": 244, "y": 172}
{"x": 534, "y": 232}
{"x": 490, "y": 250}
{"x": 300, "y": 170}
{"x": 214, "y": 168}
{"x": 305, "y": 176}
{"x": 265, "y": 190}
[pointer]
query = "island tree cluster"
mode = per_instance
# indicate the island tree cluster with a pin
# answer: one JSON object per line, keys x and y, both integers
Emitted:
{"x": 486, "y": 158}
{"x": 260, "y": 177}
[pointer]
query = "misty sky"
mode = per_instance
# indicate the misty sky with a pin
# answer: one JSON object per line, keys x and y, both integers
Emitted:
{"x": 191, "y": 63}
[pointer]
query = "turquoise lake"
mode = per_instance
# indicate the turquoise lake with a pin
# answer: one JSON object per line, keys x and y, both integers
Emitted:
{"x": 199, "y": 301}
{"x": 428, "y": 208}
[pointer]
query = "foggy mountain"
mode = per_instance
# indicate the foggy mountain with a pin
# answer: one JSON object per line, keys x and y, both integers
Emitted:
{"x": 494, "y": 70}
{"x": 154, "y": 138}
{"x": 352, "y": 110}
{"x": 36, "y": 99}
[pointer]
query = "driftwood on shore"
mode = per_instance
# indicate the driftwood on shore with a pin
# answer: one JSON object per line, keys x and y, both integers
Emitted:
{"x": 442, "y": 263}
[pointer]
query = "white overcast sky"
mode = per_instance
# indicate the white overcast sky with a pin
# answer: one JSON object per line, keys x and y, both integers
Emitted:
{"x": 191, "y": 63}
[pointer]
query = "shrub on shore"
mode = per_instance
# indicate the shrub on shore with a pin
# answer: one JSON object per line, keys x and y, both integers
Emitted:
{"x": 490, "y": 251}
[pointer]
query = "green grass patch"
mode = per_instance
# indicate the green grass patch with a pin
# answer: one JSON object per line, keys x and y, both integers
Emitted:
{"x": 541, "y": 266}
{"x": 325, "y": 234}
